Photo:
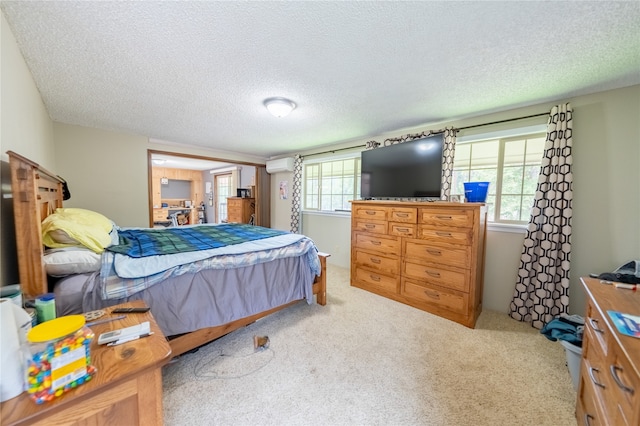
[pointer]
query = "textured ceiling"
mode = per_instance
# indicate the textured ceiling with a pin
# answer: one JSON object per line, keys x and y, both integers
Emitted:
{"x": 197, "y": 73}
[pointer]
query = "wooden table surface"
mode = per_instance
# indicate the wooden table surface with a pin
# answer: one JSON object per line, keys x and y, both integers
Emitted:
{"x": 115, "y": 365}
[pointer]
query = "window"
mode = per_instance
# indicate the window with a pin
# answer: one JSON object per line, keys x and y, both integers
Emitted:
{"x": 330, "y": 185}
{"x": 510, "y": 164}
{"x": 223, "y": 184}
{"x": 509, "y": 160}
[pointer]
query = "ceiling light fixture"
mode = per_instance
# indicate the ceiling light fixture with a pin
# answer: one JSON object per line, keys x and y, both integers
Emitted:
{"x": 279, "y": 107}
{"x": 159, "y": 161}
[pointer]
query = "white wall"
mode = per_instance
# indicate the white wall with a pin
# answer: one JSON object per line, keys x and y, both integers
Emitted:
{"x": 281, "y": 208}
{"x": 106, "y": 172}
{"x": 25, "y": 128}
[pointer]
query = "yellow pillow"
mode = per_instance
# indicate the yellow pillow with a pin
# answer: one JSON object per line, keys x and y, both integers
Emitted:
{"x": 69, "y": 227}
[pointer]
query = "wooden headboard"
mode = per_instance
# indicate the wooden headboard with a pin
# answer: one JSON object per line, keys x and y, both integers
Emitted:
{"x": 36, "y": 194}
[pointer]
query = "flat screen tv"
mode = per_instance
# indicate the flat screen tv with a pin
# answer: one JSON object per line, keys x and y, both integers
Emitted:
{"x": 405, "y": 170}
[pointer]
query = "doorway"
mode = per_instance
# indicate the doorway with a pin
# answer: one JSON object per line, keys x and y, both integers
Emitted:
{"x": 205, "y": 197}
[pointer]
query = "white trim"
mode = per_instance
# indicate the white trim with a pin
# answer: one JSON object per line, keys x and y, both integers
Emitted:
{"x": 506, "y": 227}
{"x": 326, "y": 213}
{"x": 499, "y": 134}
{"x": 224, "y": 170}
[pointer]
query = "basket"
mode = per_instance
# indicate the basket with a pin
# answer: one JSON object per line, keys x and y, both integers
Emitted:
{"x": 476, "y": 192}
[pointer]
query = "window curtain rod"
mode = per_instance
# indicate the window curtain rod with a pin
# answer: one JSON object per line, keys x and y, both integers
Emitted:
{"x": 503, "y": 121}
{"x": 333, "y": 151}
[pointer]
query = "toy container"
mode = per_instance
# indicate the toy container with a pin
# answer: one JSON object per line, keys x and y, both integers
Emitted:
{"x": 58, "y": 357}
{"x": 46, "y": 307}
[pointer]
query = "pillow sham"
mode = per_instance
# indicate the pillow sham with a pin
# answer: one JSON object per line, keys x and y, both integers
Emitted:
{"x": 72, "y": 260}
{"x": 68, "y": 227}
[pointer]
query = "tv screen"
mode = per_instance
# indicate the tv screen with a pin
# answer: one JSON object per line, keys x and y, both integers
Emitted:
{"x": 405, "y": 170}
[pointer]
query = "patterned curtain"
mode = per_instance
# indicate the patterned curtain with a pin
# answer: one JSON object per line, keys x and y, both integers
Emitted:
{"x": 542, "y": 288}
{"x": 296, "y": 194}
{"x": 448, "y": 152}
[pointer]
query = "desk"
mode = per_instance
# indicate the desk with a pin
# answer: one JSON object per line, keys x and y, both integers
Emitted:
{"x": 126, "y": 389}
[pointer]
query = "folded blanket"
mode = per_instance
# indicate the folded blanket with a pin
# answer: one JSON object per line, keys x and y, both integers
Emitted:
{"x": 145, "y": 242}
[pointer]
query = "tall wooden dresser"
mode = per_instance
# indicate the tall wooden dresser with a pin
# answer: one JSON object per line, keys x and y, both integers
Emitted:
{"x": 429, "y": 255}
{"x": 609, "y": 390}
{"x": 239, "y": 209}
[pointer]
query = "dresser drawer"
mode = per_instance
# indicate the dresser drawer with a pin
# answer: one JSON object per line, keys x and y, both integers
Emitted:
{"x": 422, "y": 249}
{"x": 588, "y": 409}
{"x": 389, "y": 265}
{"x": 445, "y": 235}
{"x": 625, "y": 388}
{"x": 402, "y": 229}
{"x": 160, "y": 215}
{"x": 370, "y": 212}
{"x": 441, "y": 277}
{"x": 388, "y": 245}
{"x": 377, "y": 280}
{"x": 373, "y": 226}
{"x": 595, "y": 372}
{"x": 403, "y": 215}
{"x": 459, "y": 218}
{"x": 597, "y": 325}
{"x": 436, "y": 296}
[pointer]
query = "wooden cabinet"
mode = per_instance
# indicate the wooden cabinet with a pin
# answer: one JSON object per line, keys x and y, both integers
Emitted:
{"x": 196, "y": 196}
{"x": 239, "y": 210}
{"x": 609, "y": 390}
{"x": 429, "y": 255}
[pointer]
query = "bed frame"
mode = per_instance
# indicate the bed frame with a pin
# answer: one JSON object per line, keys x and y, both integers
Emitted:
{"x": 38, "y": 192}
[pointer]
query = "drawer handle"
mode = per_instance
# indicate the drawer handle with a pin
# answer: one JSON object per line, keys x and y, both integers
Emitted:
{"x": 403, "y": 229}
{"x": 587, "y": 419}
{"x": 432, "y": 294}
{"x": 402, "y": 214}
{"x": 374, "y": 278}
{"x": 614, "y": 372}
{"x": 433, "y": 274}
{"x": 444, "y": 217}
{"x": 374, "y": 260}
{"x": 369, "y": 212}
{"x": 434, "y": 252}
{"x": 593, "y": 379}
{"x": 376, "y": 243}
{"x": 369, "y": 226}
{"x": 443, "y": 234}
{"x": 594, "y": 325}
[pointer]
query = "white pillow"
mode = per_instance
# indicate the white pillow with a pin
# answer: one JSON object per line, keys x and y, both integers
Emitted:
{"x": 72, "y": 260}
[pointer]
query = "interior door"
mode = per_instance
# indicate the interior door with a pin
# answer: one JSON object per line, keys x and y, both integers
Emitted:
{"x": 223, "y": 184}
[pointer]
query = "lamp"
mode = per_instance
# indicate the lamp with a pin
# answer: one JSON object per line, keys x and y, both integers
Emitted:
{"x": 279, "y": 107}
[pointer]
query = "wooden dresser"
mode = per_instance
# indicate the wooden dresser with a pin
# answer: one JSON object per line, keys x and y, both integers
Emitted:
{"x": 609, "y": 391}
{"x": 239, "y": 210}
{"x": 429, "y": 255}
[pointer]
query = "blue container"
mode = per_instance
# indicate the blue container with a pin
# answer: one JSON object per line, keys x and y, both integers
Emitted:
{"x": 476, "y": 192}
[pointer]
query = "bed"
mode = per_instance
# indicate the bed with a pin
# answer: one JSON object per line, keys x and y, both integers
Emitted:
{"x": 200, "y": 301}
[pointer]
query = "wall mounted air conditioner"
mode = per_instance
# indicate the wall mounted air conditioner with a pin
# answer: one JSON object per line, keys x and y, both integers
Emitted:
{"x": 280, "y": 165}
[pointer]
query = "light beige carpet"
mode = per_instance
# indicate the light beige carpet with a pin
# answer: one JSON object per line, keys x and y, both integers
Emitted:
{"x": 367, "y": 360}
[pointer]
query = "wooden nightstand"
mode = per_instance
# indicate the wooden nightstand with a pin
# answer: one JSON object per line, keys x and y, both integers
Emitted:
{"x": 126, "y": 389}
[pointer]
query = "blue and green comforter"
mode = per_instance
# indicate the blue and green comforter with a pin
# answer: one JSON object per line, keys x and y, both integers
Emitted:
{"x": 157, "y": 255}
